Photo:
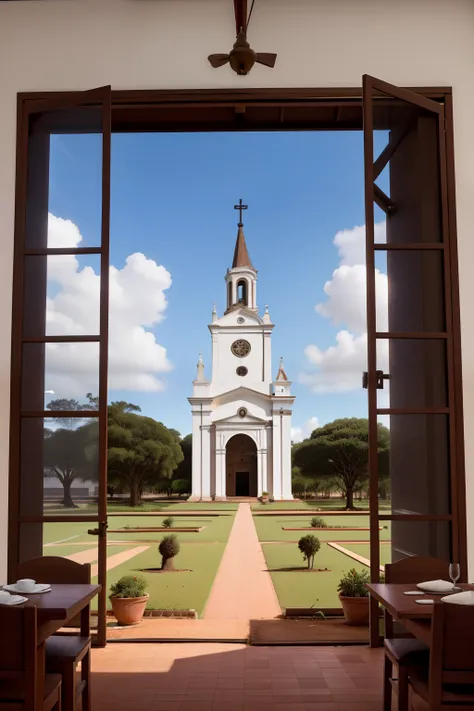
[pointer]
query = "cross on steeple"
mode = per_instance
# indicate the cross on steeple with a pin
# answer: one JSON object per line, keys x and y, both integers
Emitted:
{"x": 240, "y": 207}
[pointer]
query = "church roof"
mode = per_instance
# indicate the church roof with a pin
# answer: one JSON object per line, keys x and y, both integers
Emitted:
{"x": 241, "y": 254}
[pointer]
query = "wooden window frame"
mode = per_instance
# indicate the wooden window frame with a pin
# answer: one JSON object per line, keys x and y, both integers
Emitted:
{"x": 298, "y": 109}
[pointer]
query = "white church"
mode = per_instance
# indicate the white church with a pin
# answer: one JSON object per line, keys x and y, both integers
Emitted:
{"x": 241, "y": 416}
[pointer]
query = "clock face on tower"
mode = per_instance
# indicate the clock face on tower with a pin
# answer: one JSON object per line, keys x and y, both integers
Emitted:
{"x": 240, "y": 348}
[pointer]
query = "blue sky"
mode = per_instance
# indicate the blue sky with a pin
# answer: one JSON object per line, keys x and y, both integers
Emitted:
{"x": 172, "y": 200}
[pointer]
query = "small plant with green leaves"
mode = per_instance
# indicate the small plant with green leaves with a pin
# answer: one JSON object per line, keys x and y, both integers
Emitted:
{"x": 169, "y": 548}
{"x": 309, "y": 545}
{"x": 129, "y": 586}
{"x": 353, "y": 583}
{"x": 318, "y": 522}
{"x": 168, "y": 522}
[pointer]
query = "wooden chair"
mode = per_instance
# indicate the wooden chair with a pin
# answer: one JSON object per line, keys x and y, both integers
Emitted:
{"x": 20, "y": 685}
{"x": 446, "y": 683}
{"x": 65, "y": 652}
{"x": 405, "y": 651}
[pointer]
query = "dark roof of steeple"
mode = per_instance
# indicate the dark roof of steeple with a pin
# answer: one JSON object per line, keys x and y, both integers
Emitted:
{"x": 241, "y": 254}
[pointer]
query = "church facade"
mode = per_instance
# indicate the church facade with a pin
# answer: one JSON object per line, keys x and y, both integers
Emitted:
{"x": 241, "y": 415}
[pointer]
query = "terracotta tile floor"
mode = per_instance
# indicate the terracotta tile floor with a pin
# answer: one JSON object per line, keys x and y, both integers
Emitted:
{"x": 233, "y": 677}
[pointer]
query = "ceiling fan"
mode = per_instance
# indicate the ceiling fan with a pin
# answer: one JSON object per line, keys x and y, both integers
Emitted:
{"x": 242, "y": 57}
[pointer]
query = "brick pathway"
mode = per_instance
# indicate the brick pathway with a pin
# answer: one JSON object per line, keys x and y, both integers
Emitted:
{"x": 243, "y": 588}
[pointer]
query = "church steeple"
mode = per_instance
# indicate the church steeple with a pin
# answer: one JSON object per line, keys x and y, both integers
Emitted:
{"x": 242, "y": 277}
{"x": 241, "y": 254}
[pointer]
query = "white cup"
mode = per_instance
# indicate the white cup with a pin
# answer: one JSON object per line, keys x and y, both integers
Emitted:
{"x": 25, "y": 585}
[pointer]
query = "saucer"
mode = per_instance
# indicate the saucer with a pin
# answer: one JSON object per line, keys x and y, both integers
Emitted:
{"x": 39, "y": 588}
{"x": 14, "y": 600}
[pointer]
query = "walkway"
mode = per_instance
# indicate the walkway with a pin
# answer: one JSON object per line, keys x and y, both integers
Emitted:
{"x": 243, "y": 588}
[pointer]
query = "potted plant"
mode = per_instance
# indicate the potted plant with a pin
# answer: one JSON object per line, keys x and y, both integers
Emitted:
{"x": 264, "y": 497}
{"x": 128, "y": 597}
{"x": 354, "y": 597}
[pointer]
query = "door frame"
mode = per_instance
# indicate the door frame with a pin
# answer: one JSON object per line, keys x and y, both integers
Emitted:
{"x": 296, "y": 109}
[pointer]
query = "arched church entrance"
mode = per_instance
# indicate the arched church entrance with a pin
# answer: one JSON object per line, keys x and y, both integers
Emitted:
{"x": 241, "y": 466}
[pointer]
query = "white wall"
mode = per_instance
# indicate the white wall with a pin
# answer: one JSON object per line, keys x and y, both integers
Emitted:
{"x": 142, "y": 44}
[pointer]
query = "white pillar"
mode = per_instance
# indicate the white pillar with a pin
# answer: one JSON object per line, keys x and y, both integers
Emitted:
{"x": 276, "y": 492}
{"x": 220, "y": 466}
{"x": 196, "y": 457}
{"x": 206, "y": 461}
{"x": 286, "y": 456}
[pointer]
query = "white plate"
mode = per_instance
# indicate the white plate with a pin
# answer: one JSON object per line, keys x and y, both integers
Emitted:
{"x": 14, "y": 600}
{"x": 436, "y": 587}
{"x": 424, "y": 602}
{"x": 39, "y": 588}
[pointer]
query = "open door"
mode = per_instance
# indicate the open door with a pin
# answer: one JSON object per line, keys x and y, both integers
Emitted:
{"x": 58, "y": 445}
{"x": 411, "y": 365}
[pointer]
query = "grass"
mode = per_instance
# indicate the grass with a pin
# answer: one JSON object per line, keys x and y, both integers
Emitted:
{"x": 201, "y": 553}
{"x": 322, "y": 504}
{"x": 319, "y": 589}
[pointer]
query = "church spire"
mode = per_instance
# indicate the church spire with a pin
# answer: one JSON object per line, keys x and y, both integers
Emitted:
{"x": 241, "y": 254}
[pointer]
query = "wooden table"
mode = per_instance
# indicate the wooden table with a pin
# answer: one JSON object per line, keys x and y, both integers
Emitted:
{"x": 403, "y": 608}
{"x": 55, "y": 609}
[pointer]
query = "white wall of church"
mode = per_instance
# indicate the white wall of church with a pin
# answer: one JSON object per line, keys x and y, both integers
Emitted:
{"x": 51, "y": 45}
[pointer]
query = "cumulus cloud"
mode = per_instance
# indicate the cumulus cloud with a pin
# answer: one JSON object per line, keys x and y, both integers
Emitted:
{"x": 339, "y": 367}
{"x": 138, "y": 303}
{"x": 298, "y": 434}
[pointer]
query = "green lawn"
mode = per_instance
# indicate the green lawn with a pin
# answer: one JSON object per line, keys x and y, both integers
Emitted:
{"x": 200, "y": 554}
{"x": 297, "y": 588}
{"x": 315, "y": 504}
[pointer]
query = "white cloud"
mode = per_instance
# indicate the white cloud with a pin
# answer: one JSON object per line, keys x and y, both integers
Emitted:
{"x": 137, "y": 303}
{"x": 300, "y": 433}
{"x": 339, "y": 367}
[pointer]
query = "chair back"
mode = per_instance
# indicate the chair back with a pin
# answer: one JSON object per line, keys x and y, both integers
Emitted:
{"x": 451, "y": 657}
{"x": 412, "y": 570}
{"x": 416, "y": 569}
{"x": 18, "y": 653}
{"x": 57, "y": 571}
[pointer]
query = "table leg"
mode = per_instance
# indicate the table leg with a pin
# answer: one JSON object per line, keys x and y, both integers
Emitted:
{"x": 40, "y": 674}
{"x": 86, "y": 662}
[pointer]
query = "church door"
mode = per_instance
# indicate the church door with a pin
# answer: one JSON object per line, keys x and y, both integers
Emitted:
{"x": 241, "y": 466}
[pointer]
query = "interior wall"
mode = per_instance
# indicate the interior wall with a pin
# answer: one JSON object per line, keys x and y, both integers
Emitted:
{"x": 131, "y": 44}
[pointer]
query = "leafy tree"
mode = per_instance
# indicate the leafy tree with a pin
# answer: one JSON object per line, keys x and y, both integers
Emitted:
{"x": 183, "y": 471}
{"x": 142, "y": 452}
{"x": 71, "y": 454}
{"x": 339, "y": 450}
{"x": 180, "y": 486}
{"x": 169, "y": 548}
{"x": 309, "y": 545}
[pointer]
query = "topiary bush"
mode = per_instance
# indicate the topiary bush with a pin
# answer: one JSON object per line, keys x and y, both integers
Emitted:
{"x": 353, "y": 583}
{"x": 309, "y": 545}
{"x": 318, "y": 522}
{"x": 129, "y": 586}
{"x": 168, "y": 522}
{"x": 169, "y": 548}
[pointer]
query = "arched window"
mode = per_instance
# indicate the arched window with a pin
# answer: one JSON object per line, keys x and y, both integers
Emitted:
{"x": 242, "y": 292}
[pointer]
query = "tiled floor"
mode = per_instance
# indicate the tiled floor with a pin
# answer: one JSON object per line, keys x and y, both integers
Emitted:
{"x": 226, "y": 677}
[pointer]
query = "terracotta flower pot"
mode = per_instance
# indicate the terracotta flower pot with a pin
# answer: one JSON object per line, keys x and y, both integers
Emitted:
{"x": 129, "y": 610}
{"x": 356, "y": 610}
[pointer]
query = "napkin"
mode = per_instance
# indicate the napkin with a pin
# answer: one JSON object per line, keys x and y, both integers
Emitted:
{"x": 441, "y": 586}
{"x": 462, "y": 598}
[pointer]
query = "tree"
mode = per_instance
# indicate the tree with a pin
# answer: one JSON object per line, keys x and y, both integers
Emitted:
{"x": 71, "y": 449}
{"x": 70, "y": 454}
{"x": 169, "y": 548}
{"x": 142, "y": 452}
{"x": 309, "y": 545}
{"x": 339, "y": 450}
{"x": 183, "y": 471}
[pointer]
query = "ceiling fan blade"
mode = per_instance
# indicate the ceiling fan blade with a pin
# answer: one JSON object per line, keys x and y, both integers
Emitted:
{"x": 218, "y": 60}
{"x": 267, "y": 59}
